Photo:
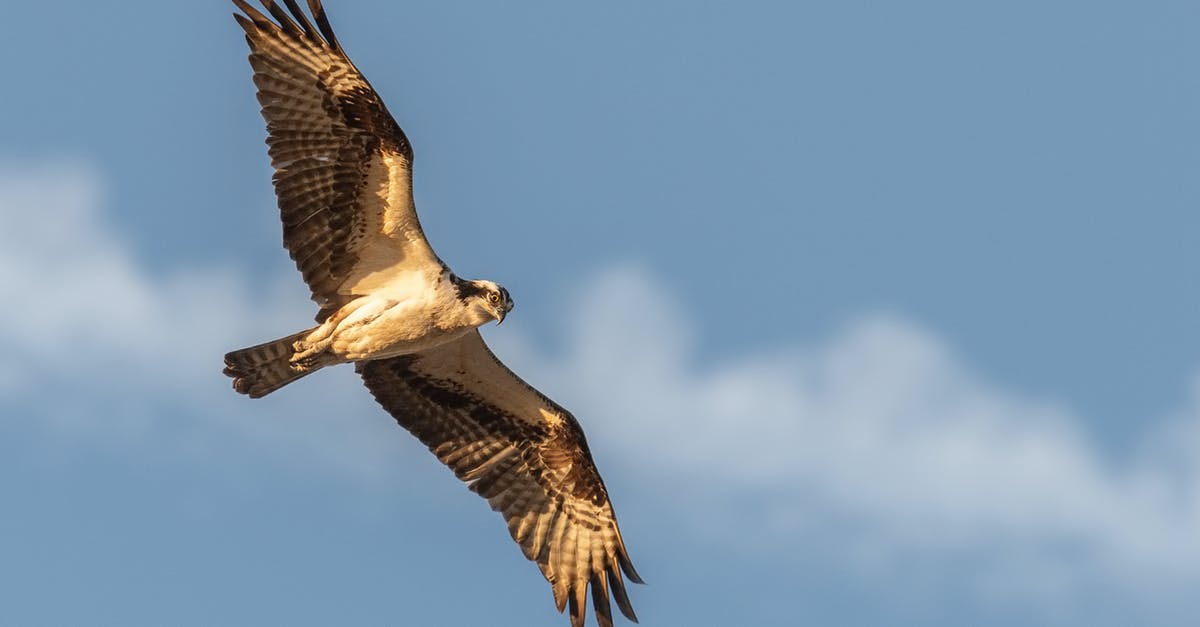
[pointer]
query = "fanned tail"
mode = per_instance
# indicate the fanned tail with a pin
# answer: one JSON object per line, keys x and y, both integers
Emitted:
{"x": 259, "y": 370}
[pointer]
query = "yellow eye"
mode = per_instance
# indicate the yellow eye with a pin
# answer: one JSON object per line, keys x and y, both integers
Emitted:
{"x": 494, "y": 298}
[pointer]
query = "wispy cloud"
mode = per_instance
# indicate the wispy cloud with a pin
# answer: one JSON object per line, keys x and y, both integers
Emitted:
{"x": 98, "y": 345}
{"x": 881, "y": 424}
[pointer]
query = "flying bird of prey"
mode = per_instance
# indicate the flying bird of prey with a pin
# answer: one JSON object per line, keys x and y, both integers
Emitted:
{"x": 388, "y": 304}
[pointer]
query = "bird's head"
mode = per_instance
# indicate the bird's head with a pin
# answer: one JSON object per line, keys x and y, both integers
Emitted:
{"x": 485, "y": 300}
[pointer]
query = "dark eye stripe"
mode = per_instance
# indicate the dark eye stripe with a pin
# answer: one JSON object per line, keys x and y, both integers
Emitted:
{"x": 467, "y": 289}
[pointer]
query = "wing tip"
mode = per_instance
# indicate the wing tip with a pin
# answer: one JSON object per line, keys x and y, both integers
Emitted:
{"x": 560, "y": 595}
{"x": 306, "y": 25}
{"x": 623, "y": 558}
{"x": 573, "y": 597}
{"x": 244, "y": 22}
{"x": 600, "y": 604}
{"x": 281, "y": 16}
{"x": 251, "y": 14}
{"x": 318, "y": 12}
{"x": 577, "y": 599}
{"x": 295, "y": 26}
{"x": 630, "y": 572}
{"x": 620, "y": 595}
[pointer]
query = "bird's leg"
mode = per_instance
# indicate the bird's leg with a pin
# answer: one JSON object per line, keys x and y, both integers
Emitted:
{"x": 309, "y": 358}
{"x": 309, "y": 350}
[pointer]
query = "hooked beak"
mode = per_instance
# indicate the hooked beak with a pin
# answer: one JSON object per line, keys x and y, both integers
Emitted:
{"x": 502, "y": 312}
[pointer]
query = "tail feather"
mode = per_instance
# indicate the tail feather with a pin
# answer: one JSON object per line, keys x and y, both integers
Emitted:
{"x": 262, "y": 369}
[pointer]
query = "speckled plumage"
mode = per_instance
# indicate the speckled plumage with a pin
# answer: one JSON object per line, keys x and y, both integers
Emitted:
{"x": 387, "y": 303}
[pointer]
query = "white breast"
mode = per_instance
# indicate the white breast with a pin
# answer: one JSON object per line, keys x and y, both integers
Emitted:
{"x": 405, "y": 315}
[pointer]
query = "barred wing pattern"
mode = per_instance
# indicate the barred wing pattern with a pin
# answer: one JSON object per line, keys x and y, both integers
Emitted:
{"x": 523, "y": 453}
{"x": 342, "y": 165}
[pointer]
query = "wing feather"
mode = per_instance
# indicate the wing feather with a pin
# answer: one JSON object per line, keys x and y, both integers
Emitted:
{"x": 522, "y": 452}
{"x": 343, "y": 167}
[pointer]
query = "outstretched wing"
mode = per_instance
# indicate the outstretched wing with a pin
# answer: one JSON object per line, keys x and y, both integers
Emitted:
{"x": 342, "y": 165}
{"x": 523, "y": 453}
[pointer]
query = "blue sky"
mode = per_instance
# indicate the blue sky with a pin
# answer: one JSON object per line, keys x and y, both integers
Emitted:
{"x": 874, "y": 314}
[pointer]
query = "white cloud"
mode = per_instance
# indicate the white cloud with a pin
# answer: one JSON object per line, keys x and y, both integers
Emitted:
{"x": 98, "y": 346}
{"x": 881, "y": 424}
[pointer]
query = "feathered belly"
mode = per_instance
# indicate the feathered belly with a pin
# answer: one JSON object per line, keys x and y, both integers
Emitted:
{"x": 377, "y": 329}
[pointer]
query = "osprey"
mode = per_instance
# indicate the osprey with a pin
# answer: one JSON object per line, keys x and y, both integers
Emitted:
{"x": 387, "y": 303}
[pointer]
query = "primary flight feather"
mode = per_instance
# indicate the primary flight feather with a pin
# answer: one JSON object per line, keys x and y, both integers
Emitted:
{"x": 388, "y": 304}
